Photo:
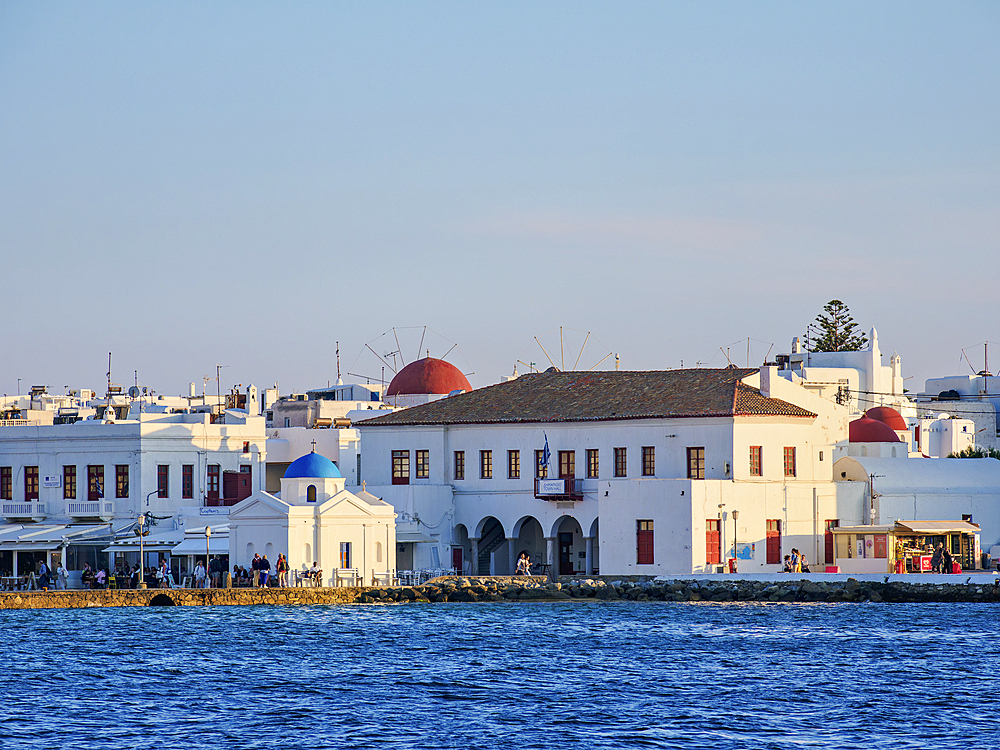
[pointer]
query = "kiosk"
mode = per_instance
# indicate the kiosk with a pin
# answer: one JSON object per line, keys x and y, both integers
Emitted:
{"x": 905, "y": 546}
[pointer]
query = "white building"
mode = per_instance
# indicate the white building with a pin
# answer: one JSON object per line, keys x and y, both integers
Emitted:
{"x": 316, "y": 519}
{"x": 650, "y": 472}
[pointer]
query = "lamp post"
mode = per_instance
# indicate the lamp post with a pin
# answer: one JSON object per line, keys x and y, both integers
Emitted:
{"x": 736, "y": 515}
{"x": 208, "y": 576}
{"x": 142, "y": 568}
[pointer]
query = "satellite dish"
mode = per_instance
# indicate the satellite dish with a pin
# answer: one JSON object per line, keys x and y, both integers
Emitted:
{"x": 145, "y": 391}
{"x": 133, "y": 392}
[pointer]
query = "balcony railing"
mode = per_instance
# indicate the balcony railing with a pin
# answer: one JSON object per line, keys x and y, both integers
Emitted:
{"x": 559, "y": 489}
{"x": 91, "y": 509}
{"x": 33, "y": 510}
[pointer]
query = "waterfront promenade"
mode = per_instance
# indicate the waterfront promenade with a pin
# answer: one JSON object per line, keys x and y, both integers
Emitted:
{"x": 819, "y": 587}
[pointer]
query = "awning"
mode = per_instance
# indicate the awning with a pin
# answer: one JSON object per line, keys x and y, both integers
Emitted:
{"x": 938, "y": 527}
{"x": 413, "y": 537}
{"x": 51, "y": 536}
{"x": 217, "y": 545}
{"x": 162, "y": 542}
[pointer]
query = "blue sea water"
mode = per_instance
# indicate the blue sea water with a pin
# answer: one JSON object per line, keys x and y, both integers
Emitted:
{"x": 504, "y": 675}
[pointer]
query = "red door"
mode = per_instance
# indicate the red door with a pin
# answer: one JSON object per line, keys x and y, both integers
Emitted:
{"x": 713, "y": 549}
{"x": 830, "y": 526}
{"x": 774, "y": 542}
{"x": 456, "y": 559}
{"x": 565, "y": 553}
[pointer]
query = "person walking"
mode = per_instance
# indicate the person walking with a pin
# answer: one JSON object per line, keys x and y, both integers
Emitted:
{"x": 62, "y": 578}
{"x": 937, "y": 559}
{"x": 199, "y": 575}
{"x": 281, "y": 567}
{"x": 948, "y": 560}
{"x": 265, "y": 571}
{"x": 796, "y": 561}
{"x": 255, "y": 568}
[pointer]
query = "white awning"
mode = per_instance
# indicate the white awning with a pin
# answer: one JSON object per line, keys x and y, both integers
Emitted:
{"x": 51, "y": 536}
{"x": 217, "y": 545}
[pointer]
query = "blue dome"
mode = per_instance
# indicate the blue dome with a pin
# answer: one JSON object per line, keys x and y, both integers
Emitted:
{"x": 312, "y": 466}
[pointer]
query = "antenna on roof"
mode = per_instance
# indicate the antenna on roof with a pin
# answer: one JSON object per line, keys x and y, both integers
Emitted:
{"x": 338, "y": 362}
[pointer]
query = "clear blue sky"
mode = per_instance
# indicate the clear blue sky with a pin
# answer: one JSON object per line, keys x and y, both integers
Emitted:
{"x": 189, "y": 184}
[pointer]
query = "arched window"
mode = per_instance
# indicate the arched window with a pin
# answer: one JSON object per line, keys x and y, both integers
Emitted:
{"x": 311, "y": 493}
{"x": 378, "y": 551}
{"x": 250, "y": 551}
{"x": 308, "y": 554}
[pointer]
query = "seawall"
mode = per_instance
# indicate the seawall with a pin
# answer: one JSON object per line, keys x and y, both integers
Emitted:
{"x": 469, "y": 589}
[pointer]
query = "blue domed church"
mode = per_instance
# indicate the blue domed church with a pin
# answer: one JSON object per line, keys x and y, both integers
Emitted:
{"x": 314, "y": 519}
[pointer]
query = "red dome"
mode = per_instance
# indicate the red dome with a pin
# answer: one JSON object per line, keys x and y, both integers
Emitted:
{"x": 867, "y": 430}
{"x": 887, "y": 415}
{"x": 428, "y": 375}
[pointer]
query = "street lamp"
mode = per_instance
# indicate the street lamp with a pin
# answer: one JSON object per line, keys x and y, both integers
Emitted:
{"x": 736, "y": 515}
{"x": 208, "y": 576}
{"x": 142, "y": 567}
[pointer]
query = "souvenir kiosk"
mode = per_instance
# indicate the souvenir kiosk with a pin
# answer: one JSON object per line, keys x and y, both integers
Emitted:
{"x": 905, "y": 546}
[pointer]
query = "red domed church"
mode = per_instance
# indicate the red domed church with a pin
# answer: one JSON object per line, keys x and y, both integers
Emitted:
{"x": 425, "y": 380}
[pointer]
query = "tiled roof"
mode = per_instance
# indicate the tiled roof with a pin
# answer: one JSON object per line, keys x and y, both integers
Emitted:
{"x": 599, "y": 396}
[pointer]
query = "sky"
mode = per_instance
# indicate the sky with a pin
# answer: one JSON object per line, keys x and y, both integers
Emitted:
{"x": 246, "y": 184}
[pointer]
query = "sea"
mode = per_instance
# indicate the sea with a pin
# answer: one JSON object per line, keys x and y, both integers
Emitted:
{"x": 504, "y": 675}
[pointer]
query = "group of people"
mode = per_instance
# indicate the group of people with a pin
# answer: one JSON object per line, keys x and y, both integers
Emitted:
{"x": 209, "y": 578}
{"x": 523, "y": 565}
{"x": 942, "y": 560}
{"x": 795, "y": 563}
{"x": 260, "y": 572}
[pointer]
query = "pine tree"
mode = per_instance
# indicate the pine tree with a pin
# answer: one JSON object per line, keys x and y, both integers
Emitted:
{"x": 837, "y": 330}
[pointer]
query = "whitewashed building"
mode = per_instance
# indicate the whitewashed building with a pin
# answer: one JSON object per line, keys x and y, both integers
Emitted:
{"x": 316, "y": 520}
{"x": 649, "y": 472}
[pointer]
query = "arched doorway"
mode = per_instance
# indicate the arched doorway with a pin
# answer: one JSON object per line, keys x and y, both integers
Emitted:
{"x": 491, "y": 536}
{"x": 594, "y": 548}
{"x": 570, "y": 547}
{"x": 461, "y": 550}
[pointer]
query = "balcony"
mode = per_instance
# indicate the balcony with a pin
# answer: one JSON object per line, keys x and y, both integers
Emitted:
{"x": 561, "y": 490}
{"x": 19, "y": 511}
{"x": 103, "y": 509}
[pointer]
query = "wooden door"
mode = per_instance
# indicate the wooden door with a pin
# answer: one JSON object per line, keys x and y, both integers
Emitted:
{"x": 828, "y": 539}
{"x": 565, "y": 553}
{"x": 456, "y": 559}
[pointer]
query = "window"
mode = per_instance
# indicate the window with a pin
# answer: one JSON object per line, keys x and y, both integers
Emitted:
{"x": 486, "y": 464}
{"x": 648, "y": 461}
{"x": 187, "y": 480}
{"x": 69, "y": 482}
{"x": 162, "y": 480}
{"x": 30, "y": 483}
{"x": 95, "y": 482}
{"x": 620, "y": 462}
{"x": 567, "y": 464}
{"x": 246, "y": 446}
{"x": 774, "y": 542}
{"x": 423, "y": 464}
{"x": 288, "y": 422}
{"x": 6, "y": 483}
{"x": 713, "y": 542}
{"x": 696, "y": 463}
{"x": 311, "y": 493}
{"x": 345, "y": 554}
{"x": 789, "y": 462}
{"x": 459, "y": 464}
{"x": 121, "y": 480}
{"x": 541, "y": 470}
{"x": 213, "y": 482}
{"x": 644, "y": 542}
{"x": 400, "y": 467}
{"x": 513, "y": 464}
{"x": 755, "y": 470}
{"x": 593, "y": 463}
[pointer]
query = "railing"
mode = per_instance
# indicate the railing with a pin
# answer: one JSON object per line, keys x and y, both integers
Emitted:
{"x": 559, "y": 489}
{"x": 23, "y": 510}
{"x": 90, "y": 509}
{"x": 20, "y": 422}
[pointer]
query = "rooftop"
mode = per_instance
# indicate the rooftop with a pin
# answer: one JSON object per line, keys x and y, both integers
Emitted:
{"x": 601, "y": 396}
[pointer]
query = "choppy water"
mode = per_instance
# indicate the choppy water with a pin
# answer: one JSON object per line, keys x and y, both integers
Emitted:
{"x": 504, "y": 675}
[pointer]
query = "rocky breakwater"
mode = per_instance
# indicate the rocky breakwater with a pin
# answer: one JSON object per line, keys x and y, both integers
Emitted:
{"x": 471, "y": 589}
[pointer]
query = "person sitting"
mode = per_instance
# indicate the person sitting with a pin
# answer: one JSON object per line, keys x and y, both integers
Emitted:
{"x": 87, "y": 577}
{"x": 315, "y": 574}
{"x": 100, "y": 578}
{"x": 787, "y": 567}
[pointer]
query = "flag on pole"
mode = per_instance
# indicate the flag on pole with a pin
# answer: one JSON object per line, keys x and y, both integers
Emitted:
{"x": 546, "y": 454}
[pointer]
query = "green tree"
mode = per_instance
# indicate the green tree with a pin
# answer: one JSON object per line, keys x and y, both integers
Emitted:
{"x": 975, "y": 451}
{"x": 837, "y": 331}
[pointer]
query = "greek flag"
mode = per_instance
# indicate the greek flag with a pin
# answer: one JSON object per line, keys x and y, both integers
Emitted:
{"x": 545, "y": 452}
